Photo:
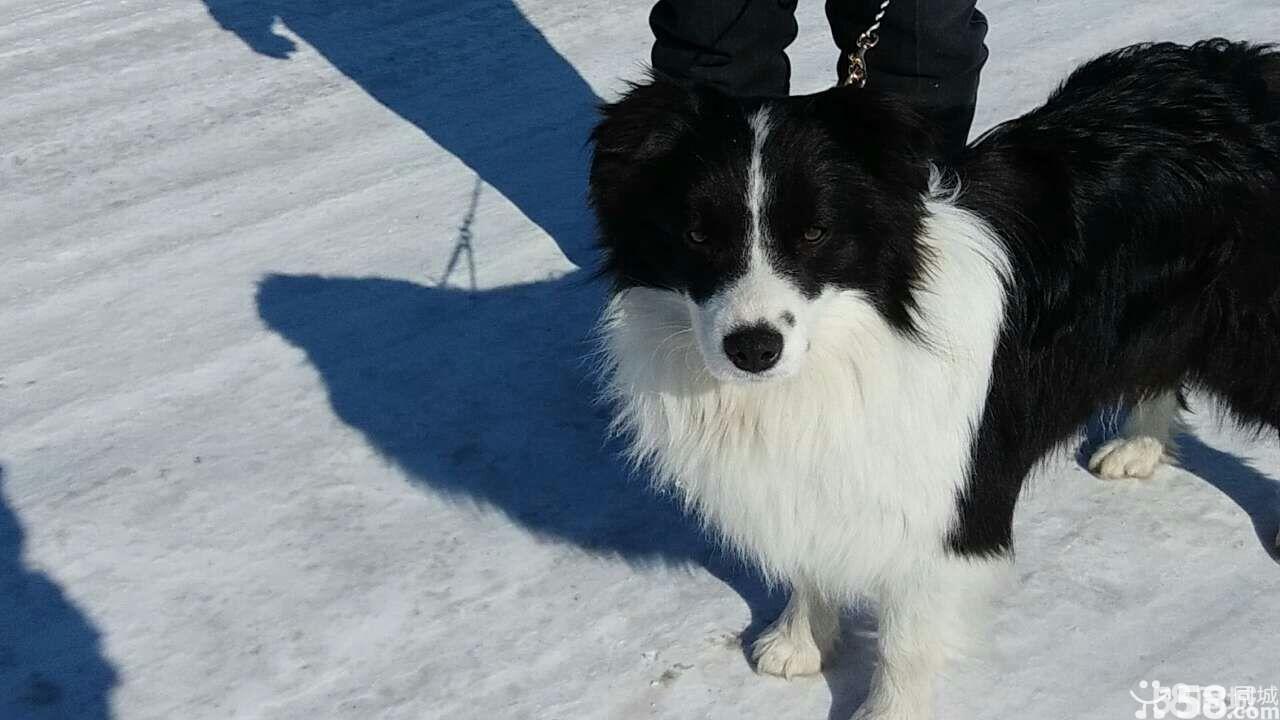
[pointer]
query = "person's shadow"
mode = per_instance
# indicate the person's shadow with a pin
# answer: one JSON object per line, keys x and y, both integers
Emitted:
{"x": 51, "y": 661}
{"x": 476, "y": 76}
{"x": 486, "y": 398}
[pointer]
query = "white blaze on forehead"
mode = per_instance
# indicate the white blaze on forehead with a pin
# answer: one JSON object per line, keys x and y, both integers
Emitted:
{"x": 757, "y": 188}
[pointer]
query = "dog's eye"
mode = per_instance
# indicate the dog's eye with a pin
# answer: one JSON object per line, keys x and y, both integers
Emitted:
{"x": 695, "y": 238}
{"x": 815, "y": 234}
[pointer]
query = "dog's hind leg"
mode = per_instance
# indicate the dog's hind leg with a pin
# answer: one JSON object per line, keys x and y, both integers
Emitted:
{"x": 796, "y": 642}
{"x": 1145, "y": 441}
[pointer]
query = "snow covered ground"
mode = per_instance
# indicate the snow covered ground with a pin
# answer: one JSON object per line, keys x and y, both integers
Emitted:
{"x": 293, "y": 420}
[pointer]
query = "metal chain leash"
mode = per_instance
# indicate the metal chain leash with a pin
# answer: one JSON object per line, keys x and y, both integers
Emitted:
{"x": 858, "y": 56}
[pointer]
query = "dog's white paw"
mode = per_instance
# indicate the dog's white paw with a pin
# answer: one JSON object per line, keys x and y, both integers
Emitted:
{"x": 1136, "y": 457}
{"x": 780, "y": 652}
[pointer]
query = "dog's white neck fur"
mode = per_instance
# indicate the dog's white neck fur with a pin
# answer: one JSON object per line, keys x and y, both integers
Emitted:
{"x": 846, "y": 473}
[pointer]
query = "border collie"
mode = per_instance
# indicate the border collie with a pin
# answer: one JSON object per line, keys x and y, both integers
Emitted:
{"x": 847, "y": 361}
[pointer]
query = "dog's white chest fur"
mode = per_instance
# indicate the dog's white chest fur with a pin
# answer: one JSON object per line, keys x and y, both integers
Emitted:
{"x": 849, "y": 469}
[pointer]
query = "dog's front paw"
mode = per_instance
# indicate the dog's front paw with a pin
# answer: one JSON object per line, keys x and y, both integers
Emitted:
{"x": 1121, "y": 458}
{"x": 779, "y": 652}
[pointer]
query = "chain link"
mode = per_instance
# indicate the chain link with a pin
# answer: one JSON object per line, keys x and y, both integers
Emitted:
{"x": 858, "y": 74}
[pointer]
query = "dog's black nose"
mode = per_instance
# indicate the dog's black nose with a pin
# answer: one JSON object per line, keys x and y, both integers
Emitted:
{"x": 754, "y": 348}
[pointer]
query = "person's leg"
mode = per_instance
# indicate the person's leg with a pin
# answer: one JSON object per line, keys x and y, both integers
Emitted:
{"x": 930, "y": 52}
{"x": 735, "y": 45}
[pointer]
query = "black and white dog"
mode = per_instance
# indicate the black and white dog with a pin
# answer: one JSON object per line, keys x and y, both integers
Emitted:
{"x": 848, "y": 361}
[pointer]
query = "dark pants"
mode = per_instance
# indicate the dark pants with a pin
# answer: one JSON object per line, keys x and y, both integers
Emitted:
{"x": 930, "y": 51}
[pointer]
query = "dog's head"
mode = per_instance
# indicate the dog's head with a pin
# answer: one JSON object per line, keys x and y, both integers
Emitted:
{"x": 754, "y": 212}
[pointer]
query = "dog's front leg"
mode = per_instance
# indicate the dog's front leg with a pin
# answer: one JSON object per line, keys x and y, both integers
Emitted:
{"x": 908, "y": 657}
{"x": 925, "y": 616}
{"x": 796, "y": 643}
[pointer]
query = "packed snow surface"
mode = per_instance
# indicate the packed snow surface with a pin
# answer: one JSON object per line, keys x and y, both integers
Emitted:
{"x": 295, "y": 420}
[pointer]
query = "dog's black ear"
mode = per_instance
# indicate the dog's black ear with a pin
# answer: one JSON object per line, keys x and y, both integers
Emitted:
{"x": 646, "y": 123}
{"x": 881, "y": 131}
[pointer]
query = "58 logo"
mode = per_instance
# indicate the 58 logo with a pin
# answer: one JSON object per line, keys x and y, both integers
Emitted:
{"x": 1212, "y": 702}
{"x": 1180, "y": 701}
